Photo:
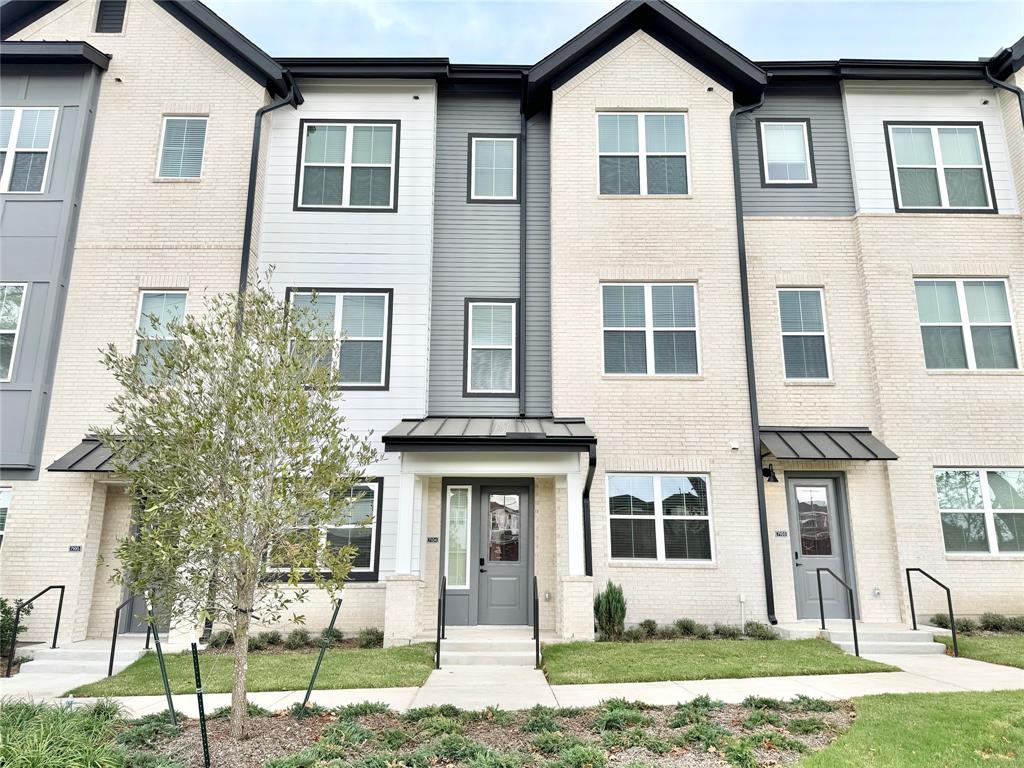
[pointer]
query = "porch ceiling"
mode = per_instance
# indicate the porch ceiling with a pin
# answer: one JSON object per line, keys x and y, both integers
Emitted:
{"x": 823, "y": 443}
{"x": 467, "y": 433}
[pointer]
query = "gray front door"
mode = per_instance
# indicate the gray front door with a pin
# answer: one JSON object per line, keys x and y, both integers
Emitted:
{"x": 816, "y": 535}
{"x": 504, "y": 564}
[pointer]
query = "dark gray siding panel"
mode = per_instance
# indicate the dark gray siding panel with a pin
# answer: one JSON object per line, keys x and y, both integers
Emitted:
{"x": 822, "y": 104}
{"x": 37, "y": 235}
{"x": 538, "y": 266}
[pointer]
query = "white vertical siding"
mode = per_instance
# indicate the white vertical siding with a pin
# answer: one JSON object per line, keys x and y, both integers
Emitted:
{"x": 869, "y": 104}
{"x": 348, "y": 249}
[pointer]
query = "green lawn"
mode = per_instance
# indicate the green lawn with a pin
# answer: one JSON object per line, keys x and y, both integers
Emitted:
{"x": 285, "y": 671}
{"x": 998, "y": 649}
{"x": 570, "y": 663}
{"x": 930, "y": 730}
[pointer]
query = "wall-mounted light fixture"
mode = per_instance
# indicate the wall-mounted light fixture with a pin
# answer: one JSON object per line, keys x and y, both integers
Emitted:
{"x": 769, "y": 474}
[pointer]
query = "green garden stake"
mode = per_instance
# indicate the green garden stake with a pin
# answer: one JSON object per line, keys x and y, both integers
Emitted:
{"x": 160, "y": 659}
{"x": 202, "y": 712}
{"x": 324, "y": 641}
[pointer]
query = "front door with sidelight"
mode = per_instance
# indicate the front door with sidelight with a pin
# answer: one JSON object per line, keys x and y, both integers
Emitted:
{"x": 817, "y": 537}
{"x": 504, "y": 562}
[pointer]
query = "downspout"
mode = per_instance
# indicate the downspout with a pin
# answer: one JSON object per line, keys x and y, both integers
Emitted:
{"x": 1007, "y": 87}
{"x": 588, "y": 556}
{"x": 521, "y": 318}
{"x": 748, "y": 344}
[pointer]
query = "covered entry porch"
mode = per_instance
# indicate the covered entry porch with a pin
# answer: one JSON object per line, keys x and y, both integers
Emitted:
{"x": 486, "y": 505}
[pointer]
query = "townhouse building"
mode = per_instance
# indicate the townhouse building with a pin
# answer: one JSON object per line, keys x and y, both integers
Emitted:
{"x": 645, "y": 311}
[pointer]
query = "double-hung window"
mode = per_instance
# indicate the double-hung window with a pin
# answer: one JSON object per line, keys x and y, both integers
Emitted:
{"x": 981, "y": 510}
{"x": 359, "y": 321}
{"x": 491, "y": 347}
{"x": 493, "y": 169}
{"x": 12, "y": 300}
{"x": 356, "y": 527}
{"x": 158, "y": 311}
{"x": 940, "y": 166}
{"x": 182, "y": 148}
{"x": 659, "y": 517}
{"x": 642, "y": 153}
{"x": 785, "y": 152}
{"x": 347, "y": 165}
{"x": 650, "y": 329}
{"x": 457, "y": 537}
{"x": 26, "y": 143}
{"x": 966, "y": 324}
{"x": 804, "y": 339}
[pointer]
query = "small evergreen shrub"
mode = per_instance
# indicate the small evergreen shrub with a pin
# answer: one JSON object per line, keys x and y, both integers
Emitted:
{"x": 300, "y": 712}
{"x": 702, "y": 632}
{"x": 220, "y": 639}
{"x": 458, "y": 749}
{"x": 765, "y": 702}
{"x": 581, "y": 756}
{"x": 539, "y": 719}
{"x": 667, "y": 632}
{"x": 761, "y": 717}
{"x": 7, "y": 622}
{"x": 776, "y": 740}
{"x": 554, "y": 742}
{"x": 801, "y": 703}
{"x": 272, "y": 637}
{"x": 618, "y": 715}
{"x": 1015, "y": 623}
{"x": 649, "y": 627}
{"x": 728, "y": 632}
{"x": 257, "y": 642}
{"x": 758, "y": 631}
{"x": 254, "y": 710}
{"x": 634, "y": 635}
{"x": 610, "y": 612}
{"x": 490, "y": 759}
{"x": 739, "y": 754}
{"x": 940, "y": 620}
{"x": 686, "y": 627}
{"x": 966, "y": 626}
{"x": 708, "y": 735}
{"x": 439, "y": 725}
{"x": 994, "y": 622}
{"x": 416, "y": 714}
{"x": 371, "y": 637}
{"x": 331, "y": 635}
{"x": 806, "y": 726}
{"x": 346, "y": 733}
{"x": 298, "y": 639}
{"x": 694, "y": 711}
{"x": 351, "y": 711}
{"x": 393, "y": 738}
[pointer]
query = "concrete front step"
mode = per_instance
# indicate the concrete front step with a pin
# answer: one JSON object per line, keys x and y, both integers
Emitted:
{"x": 487, "y": 658}
{"x": 98, "y": 668}
{"x": 460, "y": 646}
{"x": 875, "y": 636}
{"x": 88, "y": 654}
{"x": 874, "y": 647}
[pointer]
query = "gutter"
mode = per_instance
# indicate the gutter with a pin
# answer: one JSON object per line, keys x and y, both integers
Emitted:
{"x": 588, "y": 555}
{"x": 748, "y": 345}
{"x": 1007, "y": 87}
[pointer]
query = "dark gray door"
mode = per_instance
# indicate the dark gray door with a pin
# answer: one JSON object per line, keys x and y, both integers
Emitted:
{"x": 816, "y": 534}
{"x": 503, "y": 586}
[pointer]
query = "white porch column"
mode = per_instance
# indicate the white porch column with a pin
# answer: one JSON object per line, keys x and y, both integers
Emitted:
{"x": 574, "y": 490}
{"x": 407, "y": 508}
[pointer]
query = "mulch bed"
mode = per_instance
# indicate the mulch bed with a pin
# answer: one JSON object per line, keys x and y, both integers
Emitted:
{"x": 269, "y": 737}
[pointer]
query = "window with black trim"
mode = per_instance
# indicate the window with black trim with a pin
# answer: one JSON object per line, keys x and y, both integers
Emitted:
{"x": 939, "y": 166}
{"x": 662, "y": 518}
{"x": 12, "y": 302}
{"x": 966, "y": 324}
{"x": 359, "y": 321}
{"x": 5, "y": 505}
{"x": 786, "y": 155}
{"x": 493, "y": 168}
{"x": 110, "y": 16}
{"x": 491, "y": 346}
{"x": 347, "y": 165}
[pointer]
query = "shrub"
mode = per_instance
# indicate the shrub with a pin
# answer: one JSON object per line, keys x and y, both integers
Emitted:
{"x": 739, "y": 754}
{"x": 610, "y": 611}
{"x": 307, "y": 758}
{"x": 966, "y": 626}
{"x": 761, "y": 717}
{"x": 298, "y": 639}
{"x": 371, "y": 637}
{"x": 149, "y": 729}
{"x": 667, "y": 632}
{"x": 7, "y": 621}
{"x": 994, "y": 622}
{"x": 581, "y": 756}
{"x": 707, "y": 734}
{"x": 272, "y": 637}
{"x": 1015, "y": 623}
{"x": 685, "y": 627}
{"x": 331, "y": 636}
{"x": 220, "y": 639}
{"x": 649, "y": 627}
{"x": 801, "y": 703}
{"x": 806, "y": 725}
{"x": 728, "y": 632}
{"x": 149, "y": 760}
{"x": 940, "y": 620}
{"x": 553, "y": 742}
{"x": 489, "y": 759}
{"x": 620, "y": 718}
{"x": 416, "y": 714}
{"x": 257, "y": 642}
{"x": 346, "y": 733}
{"x": 349, "y": 711}
{"x": 776, "y": 740}
{"x": 634, "y": 635}
{"x": 497, "y": 715}
{"x": 458, "y": 749}
{"x": 255, "y": 710}
{"x": 439, "y": 725}
{"x": 764, "y": 702}
{"x": 758, "y": 631}
{"x": 300, "y": 712}
{"x": 539, "y": 719}
{"x": 393, "y": 738}
{"x": 702, "y": 632}
{"x": 695, "y": 711}
{"x": 635, "y": 738}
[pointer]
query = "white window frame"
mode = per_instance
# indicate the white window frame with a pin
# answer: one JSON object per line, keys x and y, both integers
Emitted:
{"x": 809, "y": 181}
{"x": 346, "y": 165}
{"x": 139, "y": 316}
{"x": 641, "y": 154}
{"x": 659, "y": 519}
{"x": 469, "y": 535}
{"x": 965, "y": 323}
{"x": 11, "y": 149}
{"x": 940, "y": 167}
{"x": 160, "y": 147}
{"x": 470, "y": 346}
{"x": 987, "y": 510}
{"x": 649, "y": 328}
{"x": 510, "y": 198}
{"x": 17, "y": 327}
{"x": 823, "y": 332}
{"x": 6, "y": 489}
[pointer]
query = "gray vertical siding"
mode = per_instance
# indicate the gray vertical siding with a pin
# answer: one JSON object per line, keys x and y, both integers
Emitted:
{"x": 37, "y": 237}
{"x": 538, "y": 266}
{"x": 833, "y": 195}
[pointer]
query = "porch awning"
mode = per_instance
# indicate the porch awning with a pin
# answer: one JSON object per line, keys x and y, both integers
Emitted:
{"x": 466, "y": 433}
{"x": 90, "y": 455}
{"x": 821, "y": 443}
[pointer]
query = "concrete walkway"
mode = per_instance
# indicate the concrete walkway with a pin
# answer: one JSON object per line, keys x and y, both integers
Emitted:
{"x": 476, "y": 687}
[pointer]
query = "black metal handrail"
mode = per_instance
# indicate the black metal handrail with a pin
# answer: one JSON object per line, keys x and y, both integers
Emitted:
{"x": 17, "y": 621}
{"x": 117, "y": 626}
{"x": 853, "y": 612}
{"x": 949, "y": 604}
{"x": 440, "y": 621}
{"x": 536, "y": 625}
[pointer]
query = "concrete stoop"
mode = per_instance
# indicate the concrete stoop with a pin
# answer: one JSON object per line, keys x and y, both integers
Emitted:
{"x": 488, "y": 646}
{"x": 872, "y": 638}
{"x": 86, "y": 657}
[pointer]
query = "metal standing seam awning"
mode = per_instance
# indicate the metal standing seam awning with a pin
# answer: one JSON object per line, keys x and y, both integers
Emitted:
{"x": 468, "y": 433}
{"x": 90, "y": 455}
{"x": 824, "y": 443}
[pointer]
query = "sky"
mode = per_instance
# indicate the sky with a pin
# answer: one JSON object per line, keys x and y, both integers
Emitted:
{"x": 524, "y": 31}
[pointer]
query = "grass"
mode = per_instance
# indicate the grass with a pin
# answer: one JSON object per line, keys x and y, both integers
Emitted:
{"x": 571, "y": 663}
{"x": 997, "y": 649}
{"x": 930, "y": 730}
{"x": 285, "y": 671}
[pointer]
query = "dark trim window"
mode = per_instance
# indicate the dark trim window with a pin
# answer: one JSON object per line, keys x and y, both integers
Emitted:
{"x": 110, "y": 16}
{"x": 643, "y": 153}
{"x": 981, "y": 510}
{"x": 785, "y": 151}
{"x": 939, "y": 167}
{"x": 804, "y": 333}
{"x": 493, "y": 168}
{"x": 966, "y": 324}
{"x": 650, "y": 329}
{"x": 12, "y": 303}
{"x": 5, "y": 506}
{"x": 347, "y": 165}
{"x": 661, "y": 518}
{"x": 491, "y": 352}
{"x": 26, "y": 144}
{"x": 359, "y": 321}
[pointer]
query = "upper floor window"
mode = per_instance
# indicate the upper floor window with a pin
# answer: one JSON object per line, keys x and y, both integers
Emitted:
{"x": 359, "y": 321}
{"x": 182, "y": 146}
{"x": 110, "y": 16}
{"x": 490, "y": 347}
{"x": 158, "y": 311}
{"x": 966, "y": 324}
{"x": 12, "y": 298}
{"x": 981, "y": 510}
{"x": 804, "y": 340}
{"x": 650, "y": 329}
{"x": 5, "y": 505}
{"x": 643, "y": 154}
{"x": 786, "y": 152}
{"x": 348, "y": 165}
{"x": 493, "y": 169}
{"x": 26, "y": 143}
{"x": 940, "y": 166}
{"x": 659, "y": 517}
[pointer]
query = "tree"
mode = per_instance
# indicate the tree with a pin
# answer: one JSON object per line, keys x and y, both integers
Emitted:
{"x": 236, "y": 457}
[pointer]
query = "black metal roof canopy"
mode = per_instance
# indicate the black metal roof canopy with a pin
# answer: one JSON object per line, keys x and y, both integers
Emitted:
{"x": 824, "y": 443}
{"x": 45, "y": 52}
{"x": 90, "y": 455}
{"x": 472, "y": 433}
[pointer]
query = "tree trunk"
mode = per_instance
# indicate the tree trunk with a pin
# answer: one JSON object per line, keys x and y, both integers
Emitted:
{"x": 239, "y": 700}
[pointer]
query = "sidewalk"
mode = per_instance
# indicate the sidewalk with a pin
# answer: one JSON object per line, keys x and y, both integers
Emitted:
{"x": 515, "y": 688}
